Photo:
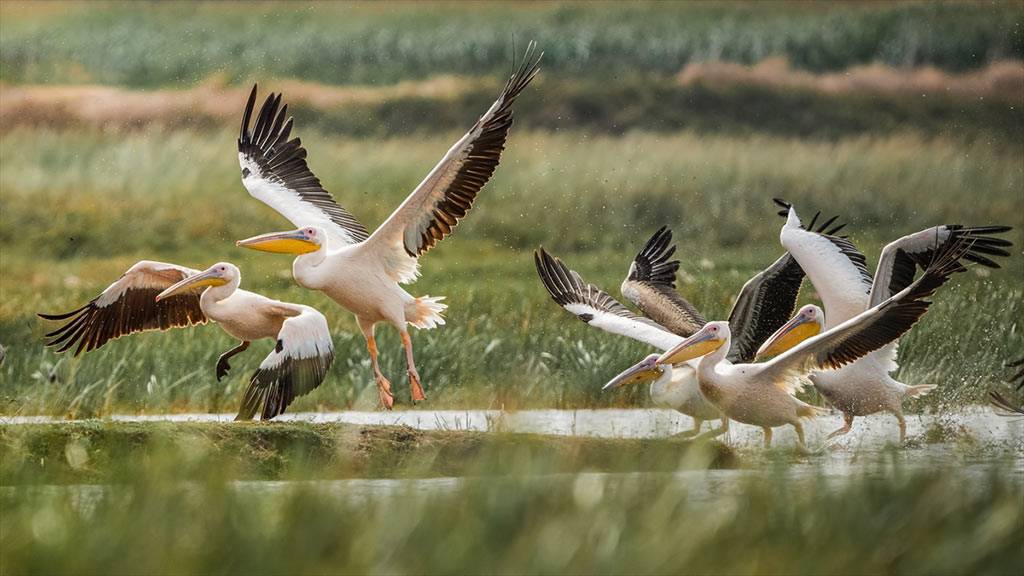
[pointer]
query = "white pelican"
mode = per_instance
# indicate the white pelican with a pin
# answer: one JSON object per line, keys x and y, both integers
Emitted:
{"x": 763, "y": 394}
{"x": 336, "y": 254}
{"x": 159, "y": 296}
{"x": 763, "y": 305}
{"x": 840, "y": 275}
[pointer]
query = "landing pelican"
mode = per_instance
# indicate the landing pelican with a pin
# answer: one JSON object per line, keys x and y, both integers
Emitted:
{"x": 762, "y": 394}
{"x": 336, "y": 254}
{"x": 763, "y": 305}
{"x": 160, "y": 296}
{"x": 840, "y": 275}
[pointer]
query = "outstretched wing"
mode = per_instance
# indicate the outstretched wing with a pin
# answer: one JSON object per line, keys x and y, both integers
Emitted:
{"x": 763, "y": 306}
{"x": 835, "y": 267}
{"x": 447, "y": 193}
{"x": 274, "y": 171}
{"x": 128, "y": 306}
{"x": 768, "y": 300}
{"x": 651, "y": 286}
{"x": 595, "y": 307}
{"x": 872, "y": 329}
{"x": 900, "y": 259}
{"x": 297, "y": 365}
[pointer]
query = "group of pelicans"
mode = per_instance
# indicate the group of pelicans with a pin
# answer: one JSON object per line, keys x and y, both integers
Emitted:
{"x": 707, "y": 370}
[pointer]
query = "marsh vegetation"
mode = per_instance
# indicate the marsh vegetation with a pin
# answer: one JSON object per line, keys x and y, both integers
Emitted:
{"x": 117, "y": 143}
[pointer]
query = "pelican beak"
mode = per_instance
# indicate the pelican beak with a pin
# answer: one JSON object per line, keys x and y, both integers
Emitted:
{"x": 291, "y": 242}
{"x": 644, "y": 371}
{"x": 201, "y": 280}
{"x": 794, "y": 332}
{"x": 695, "y": 346}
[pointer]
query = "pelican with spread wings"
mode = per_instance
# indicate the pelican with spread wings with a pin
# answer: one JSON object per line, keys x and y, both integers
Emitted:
{"x": 336, "y": 254}
{"x": 839, "y": 273}
{"x": 763, "y": 394}
{"x": 159, "y": 296}
{"x": 764, "y": 304}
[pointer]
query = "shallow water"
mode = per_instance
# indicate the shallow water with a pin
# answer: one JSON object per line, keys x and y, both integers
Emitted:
{"x": 979, "y": 424}
{"x": 974, "y": 441}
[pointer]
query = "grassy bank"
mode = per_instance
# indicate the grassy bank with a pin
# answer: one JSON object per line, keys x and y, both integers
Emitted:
{"x": 115, "y": 452}
{"x": 715, "y": 99}
{"x": 887, "y": 520}
{"x": 81, "y": 206}
{"x": 339, "y": 43}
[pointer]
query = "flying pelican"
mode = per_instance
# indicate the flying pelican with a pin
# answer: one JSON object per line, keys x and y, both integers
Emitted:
{"x": 336, "y": 254}
{"x": 762, "y": 394}
{"x": 840, "y": 275}
{"x": 763, "y": 305}
{"x": 158, "y": 296}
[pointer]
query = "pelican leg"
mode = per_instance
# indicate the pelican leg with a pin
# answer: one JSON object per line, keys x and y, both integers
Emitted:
{"x": 799, "y": 427}
{"x": 847, "y": 425}
{"x": 222, "y": 362}
{"x": 903, "y": 425}
{"x": 387, "y": 399}
{"x": 767, "y": 436}
{"x": 414, "y": 377}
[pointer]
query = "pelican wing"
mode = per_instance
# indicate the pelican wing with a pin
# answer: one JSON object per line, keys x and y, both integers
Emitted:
{"x": 900, "y": 259}
{"x": 870, "y": 330}
{"x": 1002, "y": 402}
{"x": 274, "y": 171}
{"x": 763, "y": 306}
{"x": 447, "y": 193}
{"x": 651, "y": 286}
{"x": 1018, "y": 377}
{"x": 768, "y": 299}
{"x": 127, "y": 306}
{"x": 595, "y": 307}
{"x": 836, "y": 268}
{"x": 297, "y": 365}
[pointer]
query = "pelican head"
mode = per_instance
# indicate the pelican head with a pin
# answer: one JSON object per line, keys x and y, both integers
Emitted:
{"x": 219, "y": 274}
{"x": 808, "y": 322}
{"x": 705, "y": 341}
{"x": 300, "y": 241}
{"x": 646, "y": 370}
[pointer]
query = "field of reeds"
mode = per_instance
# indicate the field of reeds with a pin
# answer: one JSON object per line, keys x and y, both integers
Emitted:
{"x": 117, "y": 143}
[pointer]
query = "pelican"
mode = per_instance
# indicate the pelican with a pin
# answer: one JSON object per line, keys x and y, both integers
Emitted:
{"x": 840, "y": 275}
{"x": 762, "y": 394}
{"x": 764, "y": 304}
{"x": 159, "y": 296}
{"x": 336, "y": 254}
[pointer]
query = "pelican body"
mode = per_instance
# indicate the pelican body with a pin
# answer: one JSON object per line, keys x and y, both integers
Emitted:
{"x": 840, "y": 275}
{"x": 336, "y": 254}
{"x": 156, "y": 295}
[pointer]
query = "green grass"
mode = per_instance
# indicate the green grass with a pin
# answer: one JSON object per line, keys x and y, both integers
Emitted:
{"x": 155, "y": 45}
{"x": 80, "y": 207}
{"x": 888, "y": 519}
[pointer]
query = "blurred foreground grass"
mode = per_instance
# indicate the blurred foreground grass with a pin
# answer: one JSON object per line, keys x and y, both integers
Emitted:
{"x": 887, "y": 519}
{"x": 81, "y": 206}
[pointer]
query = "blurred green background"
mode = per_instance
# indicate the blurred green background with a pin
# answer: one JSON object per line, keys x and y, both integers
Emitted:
{"x": 118, "y": 124}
